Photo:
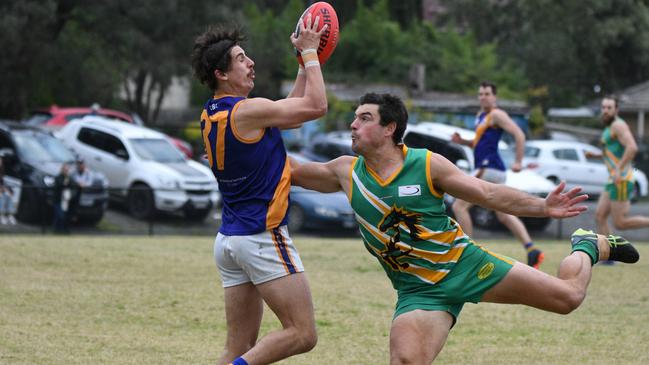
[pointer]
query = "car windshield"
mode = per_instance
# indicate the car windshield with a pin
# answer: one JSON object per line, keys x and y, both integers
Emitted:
{"x": 156, "y": 149}
{"x": 532, "y": 151}
{"x": 41, "y": 147}
{"x": 37, "y": 119}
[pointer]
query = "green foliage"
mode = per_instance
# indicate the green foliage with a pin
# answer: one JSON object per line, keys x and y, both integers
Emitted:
{"x": 462, "y": 63}
{"x": 339, "y": 116}
{"x": 537, "y": 120}
{"x": 75, "y": 53}
{"x": 23, "y": 41}
{"x": 270, "y": 46}
{"x": 566, "y": 46}
{"x": 372, "y": 47}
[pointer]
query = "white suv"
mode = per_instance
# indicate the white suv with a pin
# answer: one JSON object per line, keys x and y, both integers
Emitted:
{"x": 144, "y": 170}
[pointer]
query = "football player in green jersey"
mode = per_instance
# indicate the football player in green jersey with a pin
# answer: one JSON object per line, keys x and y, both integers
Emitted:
{"x": 397, "y": 195}
{"x": 619, "y": 149}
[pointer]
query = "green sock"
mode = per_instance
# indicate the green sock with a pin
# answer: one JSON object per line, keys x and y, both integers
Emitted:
{"x": 589, "y": 248}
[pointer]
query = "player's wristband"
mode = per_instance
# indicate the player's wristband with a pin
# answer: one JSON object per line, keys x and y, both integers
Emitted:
{"x": 309, "y": 56}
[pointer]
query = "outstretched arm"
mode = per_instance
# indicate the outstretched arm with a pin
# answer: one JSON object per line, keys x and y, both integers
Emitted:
{"x": 558, "y": 204}
{"x": 325, "y": 177}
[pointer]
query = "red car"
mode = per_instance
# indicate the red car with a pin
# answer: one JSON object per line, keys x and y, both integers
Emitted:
{"x": 56, "y": 117}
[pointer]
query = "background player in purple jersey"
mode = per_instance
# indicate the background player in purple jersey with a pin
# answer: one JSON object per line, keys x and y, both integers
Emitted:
{"x": 254, "y": 254}
{"x": 489, "y": 126}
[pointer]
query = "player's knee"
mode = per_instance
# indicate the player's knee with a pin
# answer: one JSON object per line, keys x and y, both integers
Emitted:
{"x": 402, "y": 358}
{"x": 600, "y": 216}
{"x": 502, "y": 217}
{"x": 459, "y": 208}
{"x": 620, "y": 223}
{"x": 570, "y": 301}
{"x": 307, "y": 341}
{"x": 408, "y": 355}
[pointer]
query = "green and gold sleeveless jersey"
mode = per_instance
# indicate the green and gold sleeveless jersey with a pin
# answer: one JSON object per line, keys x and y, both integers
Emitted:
{"x": 403, "y": 221}
{"x": 613, "y": 151}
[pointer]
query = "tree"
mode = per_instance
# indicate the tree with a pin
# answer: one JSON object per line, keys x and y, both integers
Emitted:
{"x": 373, "y": 47}
{"x": 150, "y": 42}
{"x": 270, "y": 47}
{"x": 72, "y": 52}
{"x": 567, "y": 46}
{"x": 29, "y": 31}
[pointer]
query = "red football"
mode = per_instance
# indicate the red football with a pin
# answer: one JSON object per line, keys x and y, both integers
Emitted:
{"x": 329, "y": 38}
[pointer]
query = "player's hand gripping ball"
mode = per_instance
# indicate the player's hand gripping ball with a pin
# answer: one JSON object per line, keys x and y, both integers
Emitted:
{"x": 329, "y": 38}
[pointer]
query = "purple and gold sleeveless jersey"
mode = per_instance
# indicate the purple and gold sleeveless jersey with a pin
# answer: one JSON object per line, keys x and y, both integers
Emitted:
{"x": 485, "y": 143}
{"x": 254, "y": 175}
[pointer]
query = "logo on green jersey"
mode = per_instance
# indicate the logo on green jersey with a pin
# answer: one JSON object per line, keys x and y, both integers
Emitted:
{"x": 486, "y": 270}
{"x": 390, "y": 224}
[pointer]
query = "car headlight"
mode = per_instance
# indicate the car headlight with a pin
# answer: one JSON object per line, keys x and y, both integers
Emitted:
{"x": 48, "y": 180}
{"x": 326, "y": 212}
{"x": 168, "y": 183}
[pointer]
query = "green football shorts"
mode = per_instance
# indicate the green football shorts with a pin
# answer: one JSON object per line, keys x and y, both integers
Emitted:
{"x": 620, "y": 192}
{"x": 477, "y": 271}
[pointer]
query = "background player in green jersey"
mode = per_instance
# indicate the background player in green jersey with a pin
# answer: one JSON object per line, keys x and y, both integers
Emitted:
{"x": 619, "y": 149}
{"x": 435, "y": 268}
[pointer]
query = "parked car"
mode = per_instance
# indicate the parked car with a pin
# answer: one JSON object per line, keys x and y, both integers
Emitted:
{"x": 314, "y": 210}
{"x": 437, "y": 138}
{"x": 567, "y": 161}
{"x": 143, "y": 169}
{"x": 55, "y": 117}
{"x": 34, "y": 157}
{"x": 327, "y": 146}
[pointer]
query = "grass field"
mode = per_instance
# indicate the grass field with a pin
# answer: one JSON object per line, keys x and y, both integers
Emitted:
{"x": 158, "y": 300}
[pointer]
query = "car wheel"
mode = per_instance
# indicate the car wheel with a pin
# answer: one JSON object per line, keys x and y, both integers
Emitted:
{"x": 295, "y": 219}
{"x": 140, "y": 202}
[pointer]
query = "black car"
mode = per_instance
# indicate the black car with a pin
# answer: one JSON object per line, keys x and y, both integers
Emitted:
{"x": 34, "y": 157}
{"x": 328, "y": 146}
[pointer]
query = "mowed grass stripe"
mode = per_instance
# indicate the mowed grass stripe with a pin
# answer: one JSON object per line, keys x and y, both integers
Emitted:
{"x": 158, "y": 300}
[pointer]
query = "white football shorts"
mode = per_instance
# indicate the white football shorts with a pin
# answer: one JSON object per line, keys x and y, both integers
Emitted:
{"x": 256, "y": 258}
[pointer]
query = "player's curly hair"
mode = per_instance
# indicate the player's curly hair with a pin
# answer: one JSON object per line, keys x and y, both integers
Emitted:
{"x": 391, "y": 109}
{"x": 212, "y": 52}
